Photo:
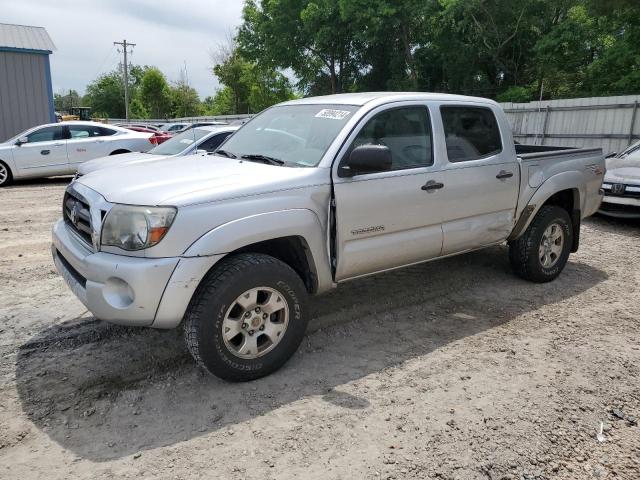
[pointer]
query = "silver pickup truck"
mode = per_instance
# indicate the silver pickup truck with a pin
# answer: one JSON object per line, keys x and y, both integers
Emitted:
{"x": 307, "y": 195}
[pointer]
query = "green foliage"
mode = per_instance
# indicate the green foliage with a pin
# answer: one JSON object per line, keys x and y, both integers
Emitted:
{"x": 495, "y": 48}
{"x": 248, "y": 87}
{"x": 516, "y": 95}
{"x": 106, "y": 94}
{"x": 137, "y": 109}
{"x": 153, "y": 94}
{"x": 184, "y": 100}
{"x": 504, "y": 49}
{"x": 63, "y": 101}
{"x": 222, "y": 103}
{"x": 310, "y": 37}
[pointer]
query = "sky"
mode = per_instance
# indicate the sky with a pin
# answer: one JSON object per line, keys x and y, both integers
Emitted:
{"x": 166, "y": 33}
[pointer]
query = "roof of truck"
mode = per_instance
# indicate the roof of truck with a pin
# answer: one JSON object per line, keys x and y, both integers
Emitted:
{"x": 366, "y": 97}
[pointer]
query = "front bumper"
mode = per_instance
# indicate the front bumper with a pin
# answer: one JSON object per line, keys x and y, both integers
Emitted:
{"x": 620, "y": 207}
{"x": 128, "y": 290}
{"x": 116, "y": 288}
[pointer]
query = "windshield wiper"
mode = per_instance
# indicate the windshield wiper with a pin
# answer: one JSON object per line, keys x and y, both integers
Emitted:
{"x": 263, "y": 158}
{"x": 224, "y": 153}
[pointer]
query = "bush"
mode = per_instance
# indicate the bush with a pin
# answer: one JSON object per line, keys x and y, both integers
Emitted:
{"x": 516, "y": 95}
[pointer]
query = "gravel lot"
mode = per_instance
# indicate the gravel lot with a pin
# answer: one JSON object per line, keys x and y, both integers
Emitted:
{"x": 454, "y": 369}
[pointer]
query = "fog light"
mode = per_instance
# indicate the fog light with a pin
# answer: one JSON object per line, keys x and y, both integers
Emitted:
{"x": 118, "y": 293}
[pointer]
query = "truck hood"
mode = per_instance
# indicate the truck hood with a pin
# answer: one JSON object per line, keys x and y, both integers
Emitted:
{"x": 117, "y": 161}
{"x": 196, "y": 179}
{"x": 623, "y": 170}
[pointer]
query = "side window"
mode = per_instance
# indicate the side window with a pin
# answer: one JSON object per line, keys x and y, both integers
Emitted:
{"x": 407, "y": 133}
{"x": 88, "y": 131}
{"x": 470, "y": 133}
{"x": 46, "y": 134}
{"x": 105, "y": 132}
{"x": 211, "y": 144}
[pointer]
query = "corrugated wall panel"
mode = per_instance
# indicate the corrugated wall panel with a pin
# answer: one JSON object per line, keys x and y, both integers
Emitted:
{"x": 24, "y": 98}
{"x": 577, "y": 123}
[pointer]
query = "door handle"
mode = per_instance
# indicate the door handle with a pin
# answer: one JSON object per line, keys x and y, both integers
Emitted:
{"x": 44, "y": 152}
{"x": 432, "y": 185}
{"x": 504, "y": 174}
{"x": 58, "y": 144}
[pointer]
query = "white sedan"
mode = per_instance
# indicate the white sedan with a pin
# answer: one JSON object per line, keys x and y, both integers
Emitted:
{"x": 58, "y": 148}
{"x": 194, "y": 140}
{"x": 622, "y": 184}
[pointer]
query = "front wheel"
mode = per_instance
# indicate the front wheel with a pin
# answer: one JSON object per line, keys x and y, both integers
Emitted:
{"x": 5, "y": 175}
{"x": 542, "y": 251}
{"x": 247, "y": 318}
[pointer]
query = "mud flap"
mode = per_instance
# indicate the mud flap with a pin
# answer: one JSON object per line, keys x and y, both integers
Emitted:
{"x": 575, "y": 220}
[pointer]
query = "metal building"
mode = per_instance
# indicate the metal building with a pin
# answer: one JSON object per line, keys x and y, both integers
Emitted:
{"x": 26, "y": 93}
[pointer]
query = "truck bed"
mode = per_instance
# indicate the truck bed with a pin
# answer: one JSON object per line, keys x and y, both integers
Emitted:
{"x": 536, "y": 152}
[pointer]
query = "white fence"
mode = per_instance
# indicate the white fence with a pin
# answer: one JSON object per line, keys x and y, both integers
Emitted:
{"x": 607, "y": 122}
{"x": 151, "y": 121}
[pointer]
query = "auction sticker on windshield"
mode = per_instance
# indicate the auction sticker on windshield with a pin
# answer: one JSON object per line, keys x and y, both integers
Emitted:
{"x": 333, "y": 114}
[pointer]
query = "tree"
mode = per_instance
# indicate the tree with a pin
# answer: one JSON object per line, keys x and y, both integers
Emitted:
{"x": 106, "y": 95}
{"x": 388, "y": 33}
{"x": 310, "y": 37}
{"x": 248, "y": 86}
{"x": 230, "y": 68}
{"x": 184, "y": 99}
{"x": 153, "y": 93}
{"x": 137, "y": 109}
{"x": 64, "y": 100}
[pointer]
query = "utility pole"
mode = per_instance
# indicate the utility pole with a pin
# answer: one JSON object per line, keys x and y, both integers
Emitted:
{"x": 124, "y": 44}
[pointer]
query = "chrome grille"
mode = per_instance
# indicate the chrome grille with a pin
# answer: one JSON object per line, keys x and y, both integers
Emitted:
{"x": 77, "y": 215}
{"x": 621, "y": 190}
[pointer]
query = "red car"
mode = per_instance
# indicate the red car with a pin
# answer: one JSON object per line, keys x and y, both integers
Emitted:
{"x": 158, "y": 135}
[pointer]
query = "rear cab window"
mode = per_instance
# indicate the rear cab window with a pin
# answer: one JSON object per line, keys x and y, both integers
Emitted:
{"x": 471, "y": 133}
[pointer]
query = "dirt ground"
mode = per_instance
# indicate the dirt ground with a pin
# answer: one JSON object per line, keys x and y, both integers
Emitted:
{"x": 451, "y": 370}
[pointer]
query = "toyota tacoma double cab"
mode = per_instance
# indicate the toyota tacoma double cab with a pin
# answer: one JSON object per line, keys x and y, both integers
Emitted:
{"x": 307, "y": 195}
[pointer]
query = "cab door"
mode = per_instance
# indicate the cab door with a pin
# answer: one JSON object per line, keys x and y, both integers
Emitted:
{"x": 45, "y": 152}
{"x": 481, "y": 177}
{"x": 390, "y": 218}
{"x": 87, "y": 142}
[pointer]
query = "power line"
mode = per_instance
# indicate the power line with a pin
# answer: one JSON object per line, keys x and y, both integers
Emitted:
{"x": 107, "y": 59}
{"x": 124, "y": 44}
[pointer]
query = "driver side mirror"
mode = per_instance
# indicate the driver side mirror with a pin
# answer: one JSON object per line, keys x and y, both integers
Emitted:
{"x": 367, "y": 159}
{"x": 22, "y": 140}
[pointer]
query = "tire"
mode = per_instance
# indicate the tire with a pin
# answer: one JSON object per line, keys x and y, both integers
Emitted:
{"x": 5, "y": 174}
{"x": 118, "y": 152}
{"x": 215, "y": 307}
{"x": 538, "y": 262}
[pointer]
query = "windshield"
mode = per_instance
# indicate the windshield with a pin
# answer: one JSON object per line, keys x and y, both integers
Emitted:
{"x": 632, "y": 150}
{"x": 179, "y": 142}
{"x": 296, "y": 134}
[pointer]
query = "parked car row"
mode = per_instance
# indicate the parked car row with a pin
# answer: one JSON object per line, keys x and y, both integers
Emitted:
{"x": 195, "y": 140}
{"x": 158, "y": 136}
{"x": 59, "y": 148}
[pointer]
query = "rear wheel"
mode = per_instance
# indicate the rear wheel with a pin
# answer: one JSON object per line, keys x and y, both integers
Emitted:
{"x": 541, "y": 253}
{"x": 5, "y": 175}
{"x": 247, "y": 318}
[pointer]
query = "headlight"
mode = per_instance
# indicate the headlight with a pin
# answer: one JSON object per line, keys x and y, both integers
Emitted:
{"x": 136, "y": 228}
